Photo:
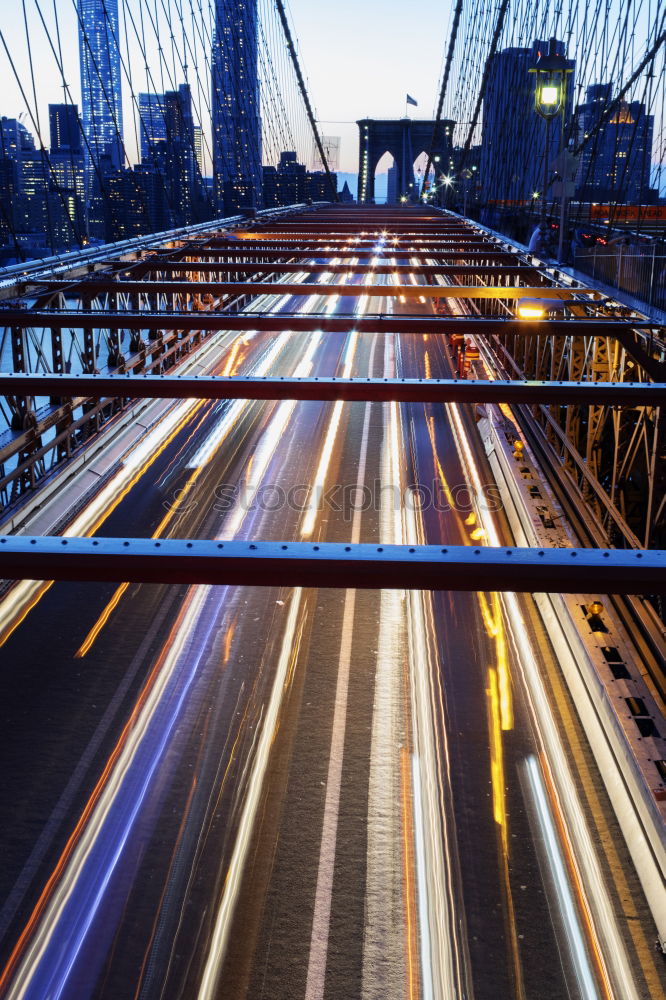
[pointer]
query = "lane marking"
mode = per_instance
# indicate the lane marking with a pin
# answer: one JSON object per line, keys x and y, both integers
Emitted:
{"x": 314, "y": 989}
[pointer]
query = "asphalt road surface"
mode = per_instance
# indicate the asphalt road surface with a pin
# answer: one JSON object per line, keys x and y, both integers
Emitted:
{"x": 248, "y": 793}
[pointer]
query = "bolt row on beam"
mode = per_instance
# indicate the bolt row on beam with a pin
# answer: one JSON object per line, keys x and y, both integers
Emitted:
{"x": 405, "y": 390}
{"x": 312, "y": 322}
{"x": 360, "y": 566}
{"x": 410, "y": 291}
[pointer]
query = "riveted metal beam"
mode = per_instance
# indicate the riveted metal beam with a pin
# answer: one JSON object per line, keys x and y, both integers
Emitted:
{"x": 301, "y": 564}
{"x": 116, "y": 282}
{"x": 405, "y": 390}
{"x": 345, "y": 255}
{"x": 220, "y": 288}
{"x": 312, "y": 322}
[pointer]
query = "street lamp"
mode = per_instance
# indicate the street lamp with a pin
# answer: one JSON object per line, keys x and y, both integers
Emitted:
{"x": 466, "y": 175}
{"x": 549, "y": 99}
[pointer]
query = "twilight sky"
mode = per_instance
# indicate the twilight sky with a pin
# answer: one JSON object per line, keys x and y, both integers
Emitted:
{"x": 362, "y": 56}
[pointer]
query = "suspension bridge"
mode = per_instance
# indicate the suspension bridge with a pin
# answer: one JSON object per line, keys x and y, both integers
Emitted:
{"x": 332, "y": 534}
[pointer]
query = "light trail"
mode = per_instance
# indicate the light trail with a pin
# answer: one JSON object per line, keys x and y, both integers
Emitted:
{"x": 209, "y": 986}
{"x": 267, "y": 446}
{"x": 73, "y": 894}
{"x": 211, "y": 446}
{"x": 558, "y": 873}
{"x": 319, "y": 480}
{"x": 593, "y": 894}
{"x": 49, "y": 949}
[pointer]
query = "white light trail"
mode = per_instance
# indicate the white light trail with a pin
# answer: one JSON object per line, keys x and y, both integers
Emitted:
{"x": 593, "y": 892}
{"x": 558, "y": 872}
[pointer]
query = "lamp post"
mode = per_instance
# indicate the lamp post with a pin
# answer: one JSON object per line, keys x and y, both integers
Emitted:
{"x": 466, "y": 176}
{"x": 448, "y": 184}
{"x": 549, "y": 98}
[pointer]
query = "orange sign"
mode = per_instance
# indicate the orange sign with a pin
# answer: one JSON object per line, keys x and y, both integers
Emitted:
{"x": 626, "y": 213}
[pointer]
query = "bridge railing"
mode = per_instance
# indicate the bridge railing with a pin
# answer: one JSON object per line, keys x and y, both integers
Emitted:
{"x": 639, "y": 272}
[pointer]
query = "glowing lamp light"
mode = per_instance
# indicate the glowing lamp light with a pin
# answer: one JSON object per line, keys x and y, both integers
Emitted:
{"x": 551, "y": 71}
{"x": 550, "y": 96}
{"x": 530, "y": 309}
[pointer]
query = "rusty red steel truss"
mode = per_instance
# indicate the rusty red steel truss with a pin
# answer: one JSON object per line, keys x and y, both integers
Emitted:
{"x": 178, "y": 295}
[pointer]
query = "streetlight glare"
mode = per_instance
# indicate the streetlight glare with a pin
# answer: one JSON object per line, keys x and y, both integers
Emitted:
{"x": 549, "y": 96}
{"x": 530, "y": 312}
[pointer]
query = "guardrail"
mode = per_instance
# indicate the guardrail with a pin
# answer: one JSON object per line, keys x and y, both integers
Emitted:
{"x": 641, "y": 273}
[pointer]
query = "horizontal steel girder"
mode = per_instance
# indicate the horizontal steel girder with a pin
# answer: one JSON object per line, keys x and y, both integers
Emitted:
{"x": 345, "y": 256}
{"x": 301, "y": 564}
{"x": 95, "y": 319}
{"x": 116, "y": 283}
{"x": 339, "y": 244}
{"x": 405, "y": 390}
{"x": 345, "y": 252}
{"x": 300, "y": 288}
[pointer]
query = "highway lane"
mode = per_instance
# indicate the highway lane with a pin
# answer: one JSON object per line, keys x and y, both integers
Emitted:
{"x": 357, "y": 845}
{"x": 502, "y": 887}
{"x": 407, "y": 642}
{"x": 190, "y": 507}
{"x": 43, "y": 630}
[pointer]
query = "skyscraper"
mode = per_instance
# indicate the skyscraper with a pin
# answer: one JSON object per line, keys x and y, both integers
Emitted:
{"x": 513, "y": 141}
{"x": 152, "y": 122}
{"x": 199, "y": 148}
{"x": 67, "y": 179}
{"x": 235, "y": 106}
{"x": 99, "y": 57}
{"x": 616, "y": 150}
{"x": 64, "y": 129}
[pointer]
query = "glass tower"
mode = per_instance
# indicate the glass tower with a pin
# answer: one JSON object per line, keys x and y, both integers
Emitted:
{"x": 99, "y": 56}
{"x": 153, "y": 123}
{"x": 235, "y": 106}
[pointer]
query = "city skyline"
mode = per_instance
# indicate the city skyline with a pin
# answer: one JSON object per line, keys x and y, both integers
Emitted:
{"x": 335, "y": 95}
{"x": 362, "y": 89}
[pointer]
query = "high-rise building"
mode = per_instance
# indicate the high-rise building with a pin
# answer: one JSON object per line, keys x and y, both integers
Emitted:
{"x": 64, "y": 129}
{"x": 14, "y": 138}
{"x": 513, "y": 144}
{"x": 66, "y": 167}
{"x": 99, "y": 57}
{"x": 171, "y": 145}
{"x": 199, "y": 148}
{"x": 235, "y": 106}
{"x": 290, "y": 183}
{"x": 616, "y": 150}
{"x": 291, "y": 179}
{"x": 152, "y": 123}
{"x": 318, "y": 185}
{"x": 41, "y": 194}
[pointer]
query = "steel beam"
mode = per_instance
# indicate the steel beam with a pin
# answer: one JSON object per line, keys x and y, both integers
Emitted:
{"x": 342, "y": 242}
{"x": 346, "y": 254}
{"x": 411, "y": 291}
{"x": 113, "y": 282}
{"x": 240, "y": 250}
{"x": 312, "y": 322}
{"x": 406, "y": 390}
{"x": 301, "y": 564}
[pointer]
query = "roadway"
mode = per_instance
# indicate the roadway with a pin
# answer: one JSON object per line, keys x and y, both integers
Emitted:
{"x": 246, "y": 793}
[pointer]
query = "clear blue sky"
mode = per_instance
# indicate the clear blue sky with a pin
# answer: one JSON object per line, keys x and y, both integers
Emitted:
{"x": 363, "y": 56}
{"x": 360, "y": 56}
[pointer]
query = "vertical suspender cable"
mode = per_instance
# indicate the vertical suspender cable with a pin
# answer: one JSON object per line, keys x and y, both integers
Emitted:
{"x": 304, "y": 94}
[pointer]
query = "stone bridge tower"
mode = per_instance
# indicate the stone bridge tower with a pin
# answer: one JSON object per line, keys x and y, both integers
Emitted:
{"x": 405, "y": 139}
